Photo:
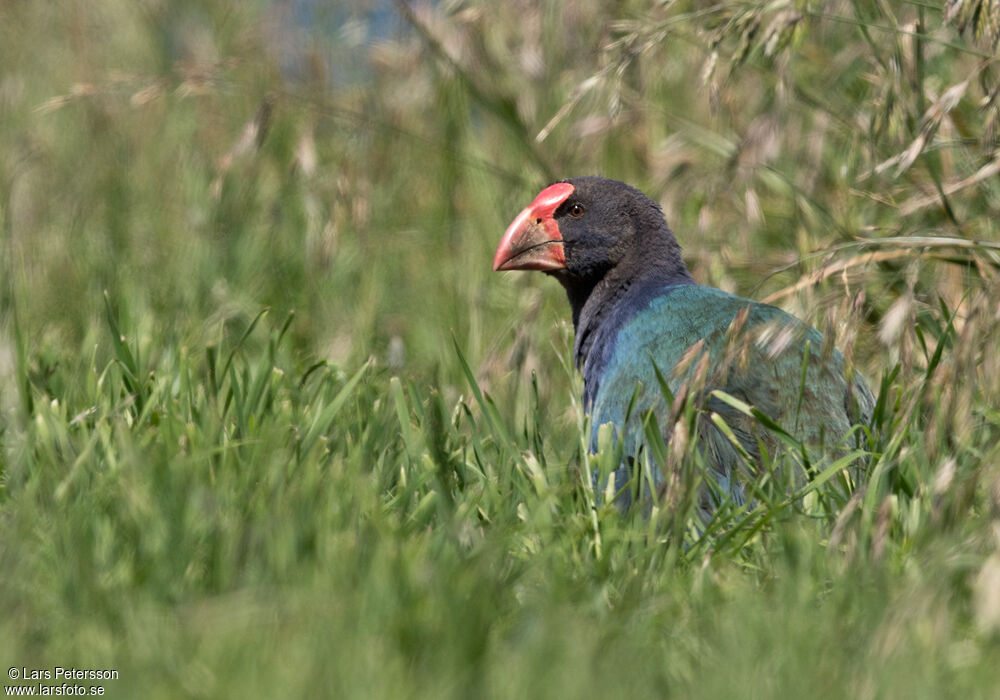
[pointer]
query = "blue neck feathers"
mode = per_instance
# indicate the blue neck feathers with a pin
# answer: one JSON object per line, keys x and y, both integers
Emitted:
{"x": 609, "y": 307}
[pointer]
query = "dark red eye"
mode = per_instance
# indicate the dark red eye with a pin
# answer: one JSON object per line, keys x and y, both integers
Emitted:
{"x": 576, "y": 210}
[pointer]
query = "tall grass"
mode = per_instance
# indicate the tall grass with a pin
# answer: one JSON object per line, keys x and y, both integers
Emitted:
{"x": 270, "y": 425}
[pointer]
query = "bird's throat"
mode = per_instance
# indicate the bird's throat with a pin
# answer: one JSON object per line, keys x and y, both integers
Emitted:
{"x": 601, "y": 309}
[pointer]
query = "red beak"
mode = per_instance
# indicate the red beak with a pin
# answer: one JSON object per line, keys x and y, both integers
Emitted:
{"x": 533, "y": 241}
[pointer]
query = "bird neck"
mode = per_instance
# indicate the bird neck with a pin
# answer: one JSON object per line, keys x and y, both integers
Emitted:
{"x": 602, "y": 307}
{"x": 614, "y": 299}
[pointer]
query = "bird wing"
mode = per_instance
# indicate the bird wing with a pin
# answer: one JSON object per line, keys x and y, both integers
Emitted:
{"x": 703, "y": 339}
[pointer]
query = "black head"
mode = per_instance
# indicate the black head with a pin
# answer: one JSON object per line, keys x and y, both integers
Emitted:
{"x": 606, "y": 224}
{"x": 585, "y": 229}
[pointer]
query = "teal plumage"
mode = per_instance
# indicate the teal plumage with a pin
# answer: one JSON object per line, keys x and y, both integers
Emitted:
{"x": 764, "y": 368}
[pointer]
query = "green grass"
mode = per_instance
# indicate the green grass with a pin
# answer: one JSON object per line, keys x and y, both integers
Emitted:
{"x": 270, "y": 427}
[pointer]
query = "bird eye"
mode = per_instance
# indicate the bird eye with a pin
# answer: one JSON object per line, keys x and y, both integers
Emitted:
{"x": 576, "y": 210}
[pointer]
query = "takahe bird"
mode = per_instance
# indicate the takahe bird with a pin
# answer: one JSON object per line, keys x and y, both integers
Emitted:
{"x": 637, "y": 311}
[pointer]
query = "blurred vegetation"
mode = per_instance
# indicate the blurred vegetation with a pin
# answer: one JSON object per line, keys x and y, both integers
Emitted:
{"x": 269, "y": 425}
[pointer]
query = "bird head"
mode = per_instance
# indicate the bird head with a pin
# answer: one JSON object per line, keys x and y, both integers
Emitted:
{"x": 580, "y": 229}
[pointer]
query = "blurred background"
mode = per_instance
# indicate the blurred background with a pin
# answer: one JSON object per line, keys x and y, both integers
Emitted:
{"x": 357, "y": 162}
